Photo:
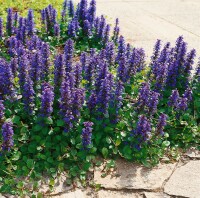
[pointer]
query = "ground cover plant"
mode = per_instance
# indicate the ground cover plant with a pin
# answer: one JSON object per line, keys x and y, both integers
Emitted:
{"x": 72, "y": 90}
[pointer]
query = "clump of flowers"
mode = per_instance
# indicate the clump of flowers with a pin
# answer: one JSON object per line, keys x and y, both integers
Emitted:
{"x": 70, "y": 84}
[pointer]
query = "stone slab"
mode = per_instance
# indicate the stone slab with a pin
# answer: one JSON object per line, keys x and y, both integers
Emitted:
{"x": 155, "y": 195}
{"x": 193, "y": 153}
{"x": 117, "y": 194}
{"x": 185, "y": 181}
{"x": 133, "y": 176}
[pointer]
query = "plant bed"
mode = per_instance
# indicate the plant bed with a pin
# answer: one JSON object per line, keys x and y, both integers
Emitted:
{"x": 72, "y": 90}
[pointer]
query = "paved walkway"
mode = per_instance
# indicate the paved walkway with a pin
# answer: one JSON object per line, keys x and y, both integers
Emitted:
{"x": 144, "y": 21}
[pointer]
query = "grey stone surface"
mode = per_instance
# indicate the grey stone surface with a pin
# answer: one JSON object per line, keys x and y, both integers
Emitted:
{"x": 133, "y": 176}
{"x": 155, "y": 195}
{"x": 117, "y": 194}
{"x": 144, "y": 21}
{"x": 185, "y": 181}
{"x": 59, "y": 186}
{"x": 193, "y": 153}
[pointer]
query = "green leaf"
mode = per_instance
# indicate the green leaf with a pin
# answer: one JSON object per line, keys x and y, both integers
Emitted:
{"x": 37, "y": 127}
{"x": 118, "y": 142}
{"x": 30, "y": 163}
{"x": 60, "y": 123}
{"x": 16, "y": 156}
{"x": 16, "y": 119}
{"x": 105, "y": 152}
{"x": 166, "y": 143}
{"x": 48, "y": 121}
{"x": 108, "y": 140}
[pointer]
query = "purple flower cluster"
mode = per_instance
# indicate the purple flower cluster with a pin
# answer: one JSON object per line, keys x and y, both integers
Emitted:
{"x": 28, "y": 94}
{"x": 162, "y": 122}
{"x": 171, "y": 67}
{"x": 30, "y": 23}
{"x": 104, "y": 95}
{"x": 143, "y": 129}
{"x": 9, "y": 24}
{"x": 66, "y": 104}
{"x": 69, "y": 51}
{"x": 92, "y": 12}
{"x": 116, "y": 31}
{"x": 83, "y": 10}
{"x": 6, "y": 80}
{"x": 180, "y": 103}
{"x": 59, "y": 70}
{"x": 1, "y": 28}
{"x": 148, "y": 100}
{"x": 71, "y": 8}
{"x": 48, "y": 16}
{"x": 7, "y": 133}
{"x": 87, "y": 134}
{"x": 45, "y": 60}
{"x": 47, "y": 99}
{"x": 57, "y": 30}
{"x": 73, "y": 28}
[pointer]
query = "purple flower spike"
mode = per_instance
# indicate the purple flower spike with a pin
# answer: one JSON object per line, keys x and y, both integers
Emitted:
{"x": 45, "y": 52}
{"x": 92, "y": 12}
{"x": 162, "y": 122}
{"x": 144, "y": 93}
{"x": 35, "y": 70}
{"x": 174, "y": 98}
{"x": 69, "y": 51}
{"x": 83, "y": 10}
{"x": 153, "y": 102}
{"x": 188, "y": 94}
{"x": 189, "y": 62}
{"x": 1, "y": 28}
{"x": 87, "y": 134}
{"x": 121, "y": 49}
{"x": 28, "y": 95}
{"x": 92, "y": 102}
{"x": 102, "y": 26}
{"x": 59, "y": 71}
{"x": 121, "y": 71}
{"x": 106, "y": 34}
{"x": 110, "y": 53}
{"x": 71, "y": 8}
{"x": 30, "y": 23}
{"x": 78, "y": 100}
{"x": 104, "y": 95}
{"x": 183, "y": 104}
{"x": 7, "y": 133}
{"x": 9, "y": 24}
{"x": 77, "y": 75}
{"x": 43, "y": 16}
{"x": 47, "y": 100}
{"x": 73, "y": 28}
{"x": 116, "y": 31}
{"x": 86, "y": 28}
{"x": 57, "y": 30}
{"x": 143, "y": 128}
{"x": 156, "y": 52}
